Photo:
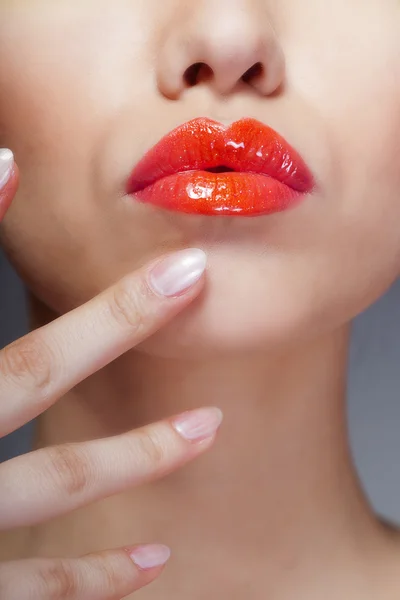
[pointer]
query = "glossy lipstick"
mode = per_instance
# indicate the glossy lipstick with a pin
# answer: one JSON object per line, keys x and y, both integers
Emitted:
{"x": 204, "y": 167}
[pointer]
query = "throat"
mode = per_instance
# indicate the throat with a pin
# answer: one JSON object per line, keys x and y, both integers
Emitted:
{"x": 272, "y": 506}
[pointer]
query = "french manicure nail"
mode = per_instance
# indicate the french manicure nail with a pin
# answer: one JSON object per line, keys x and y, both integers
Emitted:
{"x": 198, "y": 425}
{"x": 150, "y": 556}
{"x": 6, "y": 164}
{"x": 178, "y": 272}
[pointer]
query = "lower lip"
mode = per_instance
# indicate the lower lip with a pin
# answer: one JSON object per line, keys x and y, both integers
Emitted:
{"x": 231, "y": 193}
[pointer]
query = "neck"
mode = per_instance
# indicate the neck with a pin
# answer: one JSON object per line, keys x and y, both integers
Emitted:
{"x": 277, "y": 496}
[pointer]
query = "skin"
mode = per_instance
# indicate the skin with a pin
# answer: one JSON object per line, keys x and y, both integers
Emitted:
{"x": 276, "y": 509}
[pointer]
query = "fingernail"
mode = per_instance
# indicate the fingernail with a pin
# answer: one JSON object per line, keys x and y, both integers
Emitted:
{"x": 150, "y": 556}
{"x": 198, "y": 425}
{"x": 6, "y": 164}
{"x": 178, "y": 272}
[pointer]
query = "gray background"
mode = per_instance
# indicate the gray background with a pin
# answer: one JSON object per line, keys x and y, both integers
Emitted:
{"x": 374, "y": 390}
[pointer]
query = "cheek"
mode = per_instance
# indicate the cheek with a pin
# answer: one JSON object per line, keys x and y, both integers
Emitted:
{"x": 370, "y": 166}
{"x": 365, "y": 238}
{"x": 363, "y": 118}
{"x": 353, "y": 82}
{"x": 47, "y": 118}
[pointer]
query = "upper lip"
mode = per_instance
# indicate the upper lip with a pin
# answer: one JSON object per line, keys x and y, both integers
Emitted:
{"x": 206, "y": 145}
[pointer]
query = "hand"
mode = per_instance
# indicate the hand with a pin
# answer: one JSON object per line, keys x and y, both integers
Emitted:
{"x": 39, "y": 368}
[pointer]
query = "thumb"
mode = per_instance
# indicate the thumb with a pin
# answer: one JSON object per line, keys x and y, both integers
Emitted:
{"x": 8, "y": 180}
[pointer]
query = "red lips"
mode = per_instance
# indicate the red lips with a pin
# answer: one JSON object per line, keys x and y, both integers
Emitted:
{"x": 203, "y": 167}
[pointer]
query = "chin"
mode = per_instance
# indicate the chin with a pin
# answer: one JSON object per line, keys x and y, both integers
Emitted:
{"x": 241, "y": 311}
{"x": 205, "y": 330}
{"x": 254, "y": 304}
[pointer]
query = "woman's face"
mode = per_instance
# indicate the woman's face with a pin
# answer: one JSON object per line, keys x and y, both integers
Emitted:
{"x": 86, "y": 88}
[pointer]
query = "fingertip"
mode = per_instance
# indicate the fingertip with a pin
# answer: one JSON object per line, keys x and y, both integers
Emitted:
{"x": 149, "y": 556}
{"x": 178, "y": 273}
{"x": 199, "y": 425}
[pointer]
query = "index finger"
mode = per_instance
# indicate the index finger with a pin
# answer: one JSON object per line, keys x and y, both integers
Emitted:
{"x": 8, "y": 180}
{"x": 43, "y": 365}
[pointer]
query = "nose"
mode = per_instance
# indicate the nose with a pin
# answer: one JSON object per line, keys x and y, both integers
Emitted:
{"x": 224, "y": 43}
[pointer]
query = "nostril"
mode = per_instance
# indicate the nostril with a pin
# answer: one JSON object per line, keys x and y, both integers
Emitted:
{"x": 191, "y": 74}
{"x": 197, "y": 72}
{"x": 253, "y": 73}
{"x": 201, "y": 72}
